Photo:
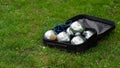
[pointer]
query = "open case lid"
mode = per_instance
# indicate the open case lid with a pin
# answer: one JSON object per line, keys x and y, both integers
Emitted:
{"x": 101, "y": 26}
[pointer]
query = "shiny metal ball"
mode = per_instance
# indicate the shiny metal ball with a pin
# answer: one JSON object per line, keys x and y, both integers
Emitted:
{"x": 88, "y": 34}
{"x": 50, "y": 35}
{"x": 77, "y": 27}
{"x": 77, "y": 40}
{"x": 63, "y": 37}
{"x": 77, "y": 33}
{"x": 69, "y": 31}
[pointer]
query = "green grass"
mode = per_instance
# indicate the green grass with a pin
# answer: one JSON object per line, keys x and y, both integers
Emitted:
{"x": 22, "y": 24}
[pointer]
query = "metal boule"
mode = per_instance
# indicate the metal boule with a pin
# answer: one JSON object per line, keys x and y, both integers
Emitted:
{"x": 77, "y": 33}
{"x": 69, "y": 31}
{"x": 63, "y": 37}
{"x": 50, "y": 35}
{"x": 77, "y": 40}
{"x": 77, "y": 27}
{"x": 88, "y": 34}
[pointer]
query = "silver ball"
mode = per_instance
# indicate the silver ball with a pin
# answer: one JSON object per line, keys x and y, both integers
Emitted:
{"x": 77, "y": 33}
{"x": 50, "y": 35}
{"x": 63, "y": 37}
{"x": 77, "y": 40}
{"x": 88, "y": 34}
{"x": 77, "y": 27}
{"x": 69, "y": 31}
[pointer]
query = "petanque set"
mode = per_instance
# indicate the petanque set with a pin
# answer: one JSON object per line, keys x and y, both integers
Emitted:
{"x": 79, "y": 33}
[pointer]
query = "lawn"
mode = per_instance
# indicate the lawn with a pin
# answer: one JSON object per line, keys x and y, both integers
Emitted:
{"x": 23, "y": 23}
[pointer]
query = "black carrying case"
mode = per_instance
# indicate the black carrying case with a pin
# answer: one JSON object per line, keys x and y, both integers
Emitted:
{"x": 100, "y": 27}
